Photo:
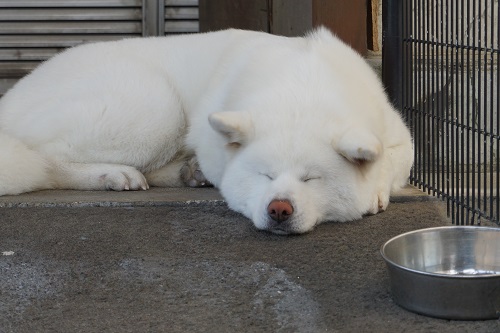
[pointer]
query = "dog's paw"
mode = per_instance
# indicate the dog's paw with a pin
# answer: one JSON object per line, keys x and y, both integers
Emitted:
{"x": 124, "y": 179}
{"x": 192, "y": 176}
{"x": 379, "y": 203}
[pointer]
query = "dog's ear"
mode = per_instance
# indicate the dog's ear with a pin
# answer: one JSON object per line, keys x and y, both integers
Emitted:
{"x": 236, "y": 127}
{"x": 358, "y": 146}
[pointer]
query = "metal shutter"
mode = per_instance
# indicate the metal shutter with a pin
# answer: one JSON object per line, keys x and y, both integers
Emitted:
{"x": 181, "y": 16}
{"x": 33, "y": 30}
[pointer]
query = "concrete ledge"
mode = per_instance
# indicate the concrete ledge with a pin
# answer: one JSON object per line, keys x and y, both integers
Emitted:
{"x": 411, "y": 193}
{"x": 151, "y": 198}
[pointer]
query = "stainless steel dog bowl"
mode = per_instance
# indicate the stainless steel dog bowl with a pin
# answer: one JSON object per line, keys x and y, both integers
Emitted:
{"x": 446, "y": 272}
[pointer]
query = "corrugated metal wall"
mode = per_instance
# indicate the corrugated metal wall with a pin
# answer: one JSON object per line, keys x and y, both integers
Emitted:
{"x": 33, "y": 30}
{"x": 181, "y": 16}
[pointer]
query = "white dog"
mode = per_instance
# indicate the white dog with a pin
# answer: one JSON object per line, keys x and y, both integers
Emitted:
{"x": 293, "y": 131}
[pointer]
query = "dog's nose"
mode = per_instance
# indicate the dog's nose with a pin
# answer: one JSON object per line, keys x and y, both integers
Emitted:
{"x": 280, "y": 210}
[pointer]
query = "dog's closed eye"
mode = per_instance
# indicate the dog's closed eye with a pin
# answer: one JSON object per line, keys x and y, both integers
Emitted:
{"x": 308, "y": 178}
{"x": 266, "y": 175}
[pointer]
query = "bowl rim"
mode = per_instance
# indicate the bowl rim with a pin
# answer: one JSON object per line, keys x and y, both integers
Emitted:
{"x": 441, "y": 275}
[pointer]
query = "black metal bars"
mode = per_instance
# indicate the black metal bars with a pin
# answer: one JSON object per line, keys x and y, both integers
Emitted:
{"x": 448, "y": 90}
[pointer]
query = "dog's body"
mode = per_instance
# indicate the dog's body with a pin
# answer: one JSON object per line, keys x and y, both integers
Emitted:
{"x": 293, "y": 131}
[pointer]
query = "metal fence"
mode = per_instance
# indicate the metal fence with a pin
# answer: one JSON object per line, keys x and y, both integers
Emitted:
{"x": 440, "y": 67}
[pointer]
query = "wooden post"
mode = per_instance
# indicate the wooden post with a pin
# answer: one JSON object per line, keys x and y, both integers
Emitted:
{"x": 346, "y": 18}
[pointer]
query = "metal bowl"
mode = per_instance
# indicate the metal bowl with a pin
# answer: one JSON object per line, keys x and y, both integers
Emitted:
{"x": 446, "y": 272}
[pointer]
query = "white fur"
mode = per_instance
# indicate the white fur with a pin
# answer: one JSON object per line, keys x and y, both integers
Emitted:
{"x": 269, "y": 118}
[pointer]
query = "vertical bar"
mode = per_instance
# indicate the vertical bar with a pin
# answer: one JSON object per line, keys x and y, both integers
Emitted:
{"x": 425, "y": 96}
{"x": 153, "y": 19}
{"x": 487, "y": 97}
{"x": 458, "y": 104}
{"x": 410, "y": 69}
{"x": 433, "y": 95}
{"x": 453, "y": 106}
{"x": 498, "y": 127}
{"x": 418, "y": 95}
{"x": 161, "y": 17}
{"x": 471, "y": 123}
{"x": 411, "y": 48}
{"x": 440, "y": 86}
{"x": 492, "y": 108}
{"x": 416, "y": 61}
{"x": 444, "y": 96}
{"x": 439, "y": 89}
{"x": 477, "y": 184}
{"x": 421, "y": 97}
{"x": 462, "y": 116}
{"x": 479, "y": 118}
{"x": 406, "y": 71}
{"x": 392, "y": 64}
{"x": 448, "y": 128}
{"x": 466, "y": 116}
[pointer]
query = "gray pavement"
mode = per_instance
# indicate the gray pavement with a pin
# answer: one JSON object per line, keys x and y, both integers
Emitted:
{"x": 179, "y": 261}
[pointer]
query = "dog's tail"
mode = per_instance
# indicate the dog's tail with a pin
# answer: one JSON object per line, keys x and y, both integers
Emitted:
{"x": 21, "y": 169}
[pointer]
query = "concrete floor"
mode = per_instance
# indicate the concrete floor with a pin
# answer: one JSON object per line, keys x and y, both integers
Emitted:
{"x": 179, "y": 261}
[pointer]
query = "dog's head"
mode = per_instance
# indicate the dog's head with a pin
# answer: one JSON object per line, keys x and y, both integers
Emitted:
{"x": 308, "y": 145}
{"x": 295, "y": 176}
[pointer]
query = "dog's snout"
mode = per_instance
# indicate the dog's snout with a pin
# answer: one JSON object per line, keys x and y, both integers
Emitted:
{"x": 280, "y": 210}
